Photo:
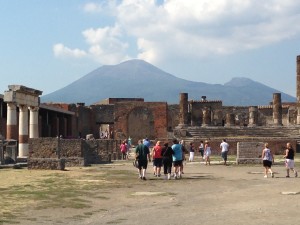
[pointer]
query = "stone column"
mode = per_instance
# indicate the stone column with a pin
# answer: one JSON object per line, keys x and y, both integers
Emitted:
{"x": 12, "y": 127}
{"x": 230, "y": 120}
{"x": 183, "y": 110}
{"x": 34, "y": 122}
{"x": 277, "y": 109}
{"x": 23, "y": 131}
{"x": 298, "y": 90}
{"x": 253, "y": 116}
{"x": 206, "y": 117}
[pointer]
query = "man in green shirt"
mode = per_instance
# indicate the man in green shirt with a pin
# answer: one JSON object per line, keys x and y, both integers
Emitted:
{"x": 142, "y": 154}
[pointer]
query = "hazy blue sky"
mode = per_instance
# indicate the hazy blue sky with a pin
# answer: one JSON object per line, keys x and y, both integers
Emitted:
{"x": 46, "y": 45}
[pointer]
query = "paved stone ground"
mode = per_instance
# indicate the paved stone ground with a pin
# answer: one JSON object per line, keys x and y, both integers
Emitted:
{"x": 209, "y": 195}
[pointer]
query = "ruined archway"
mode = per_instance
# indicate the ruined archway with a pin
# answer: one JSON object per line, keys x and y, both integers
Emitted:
{"x": 141, "y": 123}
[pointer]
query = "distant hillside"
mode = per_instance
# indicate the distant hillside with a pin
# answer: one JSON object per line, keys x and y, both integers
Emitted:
{"x": 139, "y": 79}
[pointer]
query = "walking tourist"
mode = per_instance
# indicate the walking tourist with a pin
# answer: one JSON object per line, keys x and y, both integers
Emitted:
{"x": 123, "y": 148}
{"x": 289, "y": 160}
{"x": 268, "y": 159}
{"x": 207, "y": 152}
{"x": 167, "y": 153}
{"x": 184, "y": 150}
{"x": 142, "y": 154}
{"x": 192, "y": 152}
{"x": 177, "y": 158}
{"x": 224, "y": 150}
{"x": 157, "y": 158}
{"x": 201, "y": 149}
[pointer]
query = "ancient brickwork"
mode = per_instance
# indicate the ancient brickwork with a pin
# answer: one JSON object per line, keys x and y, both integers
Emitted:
{"x": 104, "y": 114}
{"x": 140, "y": 120}
{"x": 48, "y": 153}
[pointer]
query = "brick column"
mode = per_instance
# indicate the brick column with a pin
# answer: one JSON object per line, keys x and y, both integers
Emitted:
{"x": 277, "y": 109}
{"x": 11, "y": 128}
{"x": 23, "y": 131}
{"x": 298, "y": 90}
{"x": 34, "y": 122}
{"x": 183, "y": 110}
{"x": 253, "y": 116}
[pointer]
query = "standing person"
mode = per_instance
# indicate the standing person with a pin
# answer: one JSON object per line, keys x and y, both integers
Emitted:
{"x": 289, "y": 160}
{"x": 192, "y": 152}
{"x": 268, "y": 158}
{"x": 157, "y": 158}
{"x": 177, "y": 158}
{"x": 184, "y": 150}
{"x": 224, "y": 150}
{"x": 201, "y": 149}
{"x": 123, "y": 148}
{"x": 142, "y": 154}
{"x": 207, "y": 152}
{"x": 147, "y": 142}
{"x": 167, "y": 153}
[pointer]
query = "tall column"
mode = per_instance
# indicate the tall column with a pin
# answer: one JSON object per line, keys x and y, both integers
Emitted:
{"x": 11, "y": 124}
{"x": 253, "y": 116}
{"x": 34, "y": 122}
{"x": 277, "y": 109}
{"x": 23, "y": 131}
{"x": 298, "y": 90}
{"x": 183, "y": 110}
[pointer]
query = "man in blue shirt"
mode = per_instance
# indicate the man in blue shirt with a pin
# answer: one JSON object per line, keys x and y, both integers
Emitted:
{"x": 177, "y": 158}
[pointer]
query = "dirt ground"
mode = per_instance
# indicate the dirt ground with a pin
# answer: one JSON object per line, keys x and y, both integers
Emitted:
{"x": 215, "y": 194}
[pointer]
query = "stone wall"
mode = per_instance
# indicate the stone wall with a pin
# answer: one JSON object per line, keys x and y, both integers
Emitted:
{"x": 55, "y": 153}
{"x": 249, "y": 152}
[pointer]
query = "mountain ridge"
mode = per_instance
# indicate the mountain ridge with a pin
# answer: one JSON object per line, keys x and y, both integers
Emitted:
{"x": 140, "y": 79}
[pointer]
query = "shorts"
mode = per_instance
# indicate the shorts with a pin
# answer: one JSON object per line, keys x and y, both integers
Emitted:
{"x": 289, "y": 163}
{"x": 224, "y": 155}
{"x": 158, "y": 162}
{"x": 177, "y": 163}
{"x": 143, "y": 164}
{"x": 267, "y": 163}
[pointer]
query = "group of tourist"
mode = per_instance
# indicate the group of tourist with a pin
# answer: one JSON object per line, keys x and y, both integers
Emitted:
{"x": 268, "y": 160}
{"x": 172, "y": 157}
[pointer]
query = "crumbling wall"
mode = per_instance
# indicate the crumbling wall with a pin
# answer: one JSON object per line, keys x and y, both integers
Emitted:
{"x": 56, "y": 153}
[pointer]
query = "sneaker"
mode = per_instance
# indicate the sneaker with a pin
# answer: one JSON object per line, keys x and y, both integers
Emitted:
{"x": 175, "y": 177}
{"x": 159, "y": 175}
{"x": 169, "y": 176}
{"x": 272, "y": 175}
{"x": 287, "y": 176}
{"x": 296, "y": 174}
{"x": 140, "y": 177}
{"x": 265, "y": 176}
{"x": 144, "y": 178}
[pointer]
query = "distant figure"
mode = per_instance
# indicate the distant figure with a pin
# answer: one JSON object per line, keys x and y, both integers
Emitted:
{"x": 192, "y": 152}
{"x": 123, "y": 148}
{"x": 289, "y": 160}
{"x": 268, "y": 159}
{"x": 147, "y": 142}
{"x": 106, "y": 134}
{"x": 201, "y": 148}
{"x": 224, "y": 150}
{"x": 207, "y": 152}
{"x": 142, "y": 154}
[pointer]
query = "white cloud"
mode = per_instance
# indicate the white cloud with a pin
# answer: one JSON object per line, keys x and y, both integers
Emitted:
{"x": 61, "y": 51}
{"x": 92, "y": 7}
{"x": 176, "y": 29}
